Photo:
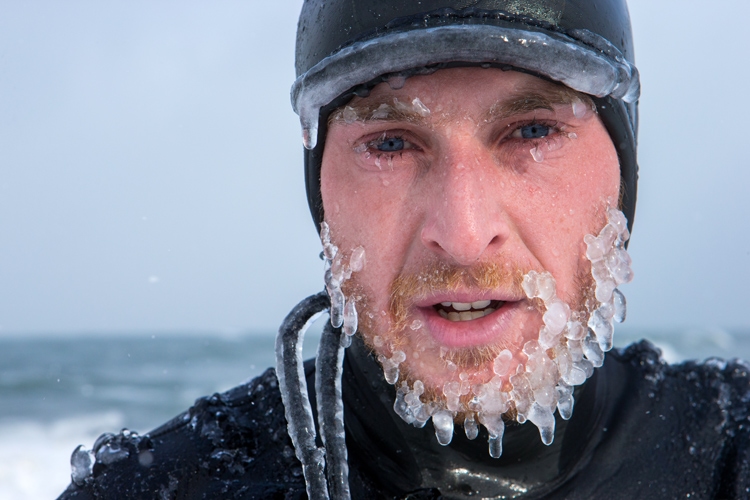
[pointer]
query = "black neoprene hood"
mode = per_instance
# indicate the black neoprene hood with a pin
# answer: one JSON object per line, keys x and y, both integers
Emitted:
{"x": 345, "y": 47}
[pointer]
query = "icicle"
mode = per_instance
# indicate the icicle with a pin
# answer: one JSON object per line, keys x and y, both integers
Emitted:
{"x": 443, "y": 423}
{"x": 620, "y": 306}
{"x": 293, "y": 388}
{"x": 350, "y": 317}
{"x": 337, "y": 307}
{"x": 542, "y": 417}
{"x": 328, "y": 371}
{"x": 496, "y": 429}
{"x": 470, "y": 426}
{"x": 310, "y": 135}
{"x": 565, "y": 401}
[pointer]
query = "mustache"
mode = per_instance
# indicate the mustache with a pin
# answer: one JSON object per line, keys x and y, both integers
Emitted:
{"x": 442, "y": 277}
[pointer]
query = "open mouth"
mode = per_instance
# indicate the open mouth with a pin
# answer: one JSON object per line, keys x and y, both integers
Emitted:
{"x": 467, "y": 311}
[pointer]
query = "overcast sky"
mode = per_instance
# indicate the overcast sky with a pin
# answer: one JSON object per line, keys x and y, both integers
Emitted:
{"x": 151, "y": 167}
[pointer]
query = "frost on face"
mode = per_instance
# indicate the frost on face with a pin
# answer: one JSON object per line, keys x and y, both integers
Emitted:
{"x": 336, "y": 272}
{"x": 569, "y": 346}
{"x": 407, "y": 110}
{"x": 390, "y": 365}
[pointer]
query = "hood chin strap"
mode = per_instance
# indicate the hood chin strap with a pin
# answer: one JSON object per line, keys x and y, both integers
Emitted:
{"x": 297, "y": 408}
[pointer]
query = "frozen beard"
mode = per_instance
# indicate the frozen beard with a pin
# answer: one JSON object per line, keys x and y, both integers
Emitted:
{"x": 519, "y": 378}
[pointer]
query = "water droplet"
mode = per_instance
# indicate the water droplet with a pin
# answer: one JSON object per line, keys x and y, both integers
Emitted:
{"x": 419, "y": 107}
{"x": 81, "y": 465}
{"x": 537, "y": 154}
{"x": 397, "y": 82}
{"x": 579, "y": 108}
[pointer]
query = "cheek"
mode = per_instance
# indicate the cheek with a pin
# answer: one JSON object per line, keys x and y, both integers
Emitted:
{"x": 568, "y": 202}
{"x": 353, "y": 220}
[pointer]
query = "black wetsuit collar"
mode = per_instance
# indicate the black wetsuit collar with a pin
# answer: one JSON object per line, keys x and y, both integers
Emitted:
{"x": 390, "y": 452}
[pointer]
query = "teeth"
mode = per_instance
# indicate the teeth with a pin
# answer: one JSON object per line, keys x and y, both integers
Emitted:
{"x": 465, "y": 315}
{"x": 465, "y": 306}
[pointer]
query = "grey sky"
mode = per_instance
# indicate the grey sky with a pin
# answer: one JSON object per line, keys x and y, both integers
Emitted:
{"x": 151, "y": 167}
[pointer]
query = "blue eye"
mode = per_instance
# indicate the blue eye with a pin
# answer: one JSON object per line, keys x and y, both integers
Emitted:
{"x": 391, "y": 144}
{"x": 534, "y": 131}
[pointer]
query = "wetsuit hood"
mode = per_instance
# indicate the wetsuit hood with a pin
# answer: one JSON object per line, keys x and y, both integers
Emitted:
{"x": 345, "y": 48}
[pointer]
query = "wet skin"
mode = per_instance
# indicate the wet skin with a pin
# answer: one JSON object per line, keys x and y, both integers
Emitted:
{"x": 459, "y": 188}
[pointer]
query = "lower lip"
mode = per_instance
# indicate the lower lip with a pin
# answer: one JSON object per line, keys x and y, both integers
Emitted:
{"x": 486, "y": 330}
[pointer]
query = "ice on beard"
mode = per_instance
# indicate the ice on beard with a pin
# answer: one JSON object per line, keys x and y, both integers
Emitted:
{"x": 350, "y": 318}
{"x": 603, "y": 330}
{"x": 592, "y": 351}
{"x": 470, "y": 426}
{"x": 442, "y": 421}
{"x": 400, "y": 406}
{"x": 342, "y": 312}
{"x": 565, "y": 401}
{"x": 543, "y": 418}
{"x": 539, "y": 285}
{"x": 501, "y": 365}
{"x": 390, "y": 366}
{"x": 521, "y": 393}
{"x": 563, "y": 360}
{"x": 576, "y": 375}
{"x": 452, "y": 393}
{"x": 563, "y": 356}
{"x": 556, "y": 316}
{"x": 575, "y": 350}
{"x": 495, "y": 426}
{"x": 574, "y": 330}
{"x": 489, "y": 398}
{"x": 620, "y": 306}
{"x": 337, "y": 307}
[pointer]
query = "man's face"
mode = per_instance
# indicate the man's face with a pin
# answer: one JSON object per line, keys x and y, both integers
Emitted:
{"x": 456, "y": 185}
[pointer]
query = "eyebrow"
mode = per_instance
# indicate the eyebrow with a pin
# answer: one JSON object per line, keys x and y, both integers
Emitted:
{"x": 390, "y": 109}
{"x": 380, "y": 109}
{"x": 527, "y": 101}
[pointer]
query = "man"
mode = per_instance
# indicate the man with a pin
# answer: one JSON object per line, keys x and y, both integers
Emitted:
{"x": 472, "y": 171}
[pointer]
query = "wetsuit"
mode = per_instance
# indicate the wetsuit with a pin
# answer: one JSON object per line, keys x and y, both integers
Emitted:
{"x": 641, "y": 429}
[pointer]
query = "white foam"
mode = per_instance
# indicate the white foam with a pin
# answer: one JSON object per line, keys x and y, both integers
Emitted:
{"x": 35, "y": 456}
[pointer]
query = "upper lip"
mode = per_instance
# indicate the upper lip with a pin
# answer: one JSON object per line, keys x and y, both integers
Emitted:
{"x": 466, "y": 296}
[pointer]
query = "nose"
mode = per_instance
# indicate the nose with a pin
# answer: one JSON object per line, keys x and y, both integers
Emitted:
{"x": 465, "y": 220}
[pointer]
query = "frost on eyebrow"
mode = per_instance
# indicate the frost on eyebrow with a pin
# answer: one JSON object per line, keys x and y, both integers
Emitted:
{"x": 384, "y": 109}
{"x": 534, "y": 100}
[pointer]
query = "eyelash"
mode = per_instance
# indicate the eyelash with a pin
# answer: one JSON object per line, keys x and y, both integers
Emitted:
{"x": 369, "y": 146}
{"x": 554, "y": 127}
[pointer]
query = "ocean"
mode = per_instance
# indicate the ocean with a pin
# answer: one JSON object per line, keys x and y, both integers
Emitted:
{"x": 58, "y": 392}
